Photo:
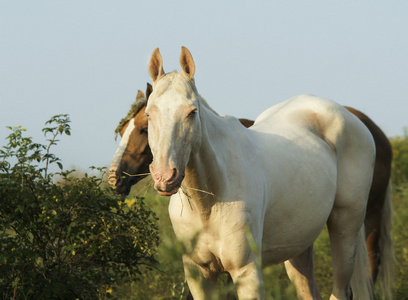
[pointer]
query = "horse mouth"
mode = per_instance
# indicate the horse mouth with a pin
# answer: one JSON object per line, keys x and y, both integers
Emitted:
{"x": 168, "y": 189}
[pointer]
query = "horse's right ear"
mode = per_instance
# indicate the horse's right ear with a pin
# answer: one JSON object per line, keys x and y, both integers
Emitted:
{"x": 156, "y": 66}
{"x": 149, "y": 90}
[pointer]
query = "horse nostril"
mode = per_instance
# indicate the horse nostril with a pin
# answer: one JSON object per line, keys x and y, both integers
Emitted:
{"x": 174, "y": 175}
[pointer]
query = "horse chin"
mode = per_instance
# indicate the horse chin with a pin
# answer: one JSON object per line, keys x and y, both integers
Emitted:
{"x": 167, "y": 193}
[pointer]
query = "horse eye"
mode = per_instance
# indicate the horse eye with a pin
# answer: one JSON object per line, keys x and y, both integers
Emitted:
{"x": 144, "y": 131}
{"x": 192, "y": 114}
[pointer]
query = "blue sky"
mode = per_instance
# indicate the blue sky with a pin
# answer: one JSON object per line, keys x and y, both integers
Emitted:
{"x": 89, "y": 58}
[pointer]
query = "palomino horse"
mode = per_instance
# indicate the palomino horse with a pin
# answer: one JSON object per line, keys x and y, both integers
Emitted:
{"x": 243, "y": 196}
{"x": 133, "y": 165}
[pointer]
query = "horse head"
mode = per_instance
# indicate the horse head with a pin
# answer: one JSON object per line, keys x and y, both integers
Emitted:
{"x": 173, "y": 112}
{"x": 131, "y": 161}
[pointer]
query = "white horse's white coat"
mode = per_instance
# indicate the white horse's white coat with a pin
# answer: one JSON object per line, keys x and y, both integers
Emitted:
{"x": 304, "y": 163}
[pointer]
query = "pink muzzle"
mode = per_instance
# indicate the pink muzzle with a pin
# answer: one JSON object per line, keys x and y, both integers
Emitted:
{"x": 167, "y": 180}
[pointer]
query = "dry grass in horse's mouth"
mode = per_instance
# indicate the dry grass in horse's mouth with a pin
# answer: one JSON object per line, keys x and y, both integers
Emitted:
{"x": 143, "y": 174}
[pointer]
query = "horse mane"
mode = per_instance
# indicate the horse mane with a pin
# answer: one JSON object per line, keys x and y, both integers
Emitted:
{"x": 134, "y": 109}
{"x": 205, "y": 103}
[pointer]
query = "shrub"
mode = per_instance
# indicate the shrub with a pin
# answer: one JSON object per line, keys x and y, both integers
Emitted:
{"x": 66, "y": 240}
{"x": 400, "y": 160}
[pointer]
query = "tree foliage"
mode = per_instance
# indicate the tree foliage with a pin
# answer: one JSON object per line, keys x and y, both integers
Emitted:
{"x": 70, "y": 239}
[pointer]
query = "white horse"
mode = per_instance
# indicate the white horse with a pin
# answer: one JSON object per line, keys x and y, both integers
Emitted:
{"x": 306, "y": 162}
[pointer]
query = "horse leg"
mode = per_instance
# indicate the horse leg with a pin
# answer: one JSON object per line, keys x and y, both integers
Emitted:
{"x": 349, "y": 254}
{"x": 343, "y": 247}
{"x": 249, "y": 282}
{"x": 230, "y": 294}
{"x": 202, "y": 284}
{"x": 301, "y": 272}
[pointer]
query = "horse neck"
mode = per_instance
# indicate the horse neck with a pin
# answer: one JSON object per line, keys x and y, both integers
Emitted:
{"x": 207, "y": 173}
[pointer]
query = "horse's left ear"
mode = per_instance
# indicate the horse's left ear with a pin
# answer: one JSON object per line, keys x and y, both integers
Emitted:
{"x": 139, "y": 95}
{"x": 187, "y": 63}
{"x": 149, "y": 90}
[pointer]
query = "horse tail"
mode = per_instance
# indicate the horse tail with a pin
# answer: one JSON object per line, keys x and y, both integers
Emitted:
{"x": 361, "y": 283}
{"x": 386, "y": 272}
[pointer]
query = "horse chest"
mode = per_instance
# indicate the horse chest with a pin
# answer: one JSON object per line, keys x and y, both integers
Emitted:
{"x": 207, "y": 240}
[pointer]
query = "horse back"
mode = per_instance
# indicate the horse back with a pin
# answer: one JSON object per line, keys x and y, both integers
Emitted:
{"x": 323, "y": 118}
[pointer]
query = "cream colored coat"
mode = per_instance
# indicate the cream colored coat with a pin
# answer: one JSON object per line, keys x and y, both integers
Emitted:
{"x": 305, "y": 163}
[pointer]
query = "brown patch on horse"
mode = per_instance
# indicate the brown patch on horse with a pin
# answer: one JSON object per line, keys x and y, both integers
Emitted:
{"x": 137, "y": 157}
{"x": 139, "y": 95}
{"x": 134, "y": 163}
{"x": 149, "y": 90}
{"x": 140, "y": 102}
{"x": 247, "y": 123}
{"x": 123, "y": 129}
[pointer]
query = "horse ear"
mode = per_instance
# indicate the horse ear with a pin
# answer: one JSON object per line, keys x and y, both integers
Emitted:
{"x": 187, "y": 63}
{"x": 149, "y": 90}
{"x": 156, "y": 65}
{"x": 139, "y": 95}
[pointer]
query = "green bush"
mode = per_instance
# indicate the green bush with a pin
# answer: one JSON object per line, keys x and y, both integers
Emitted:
{"x": 401, "y": 241}
{"x": 400, "y": 160}
{"x": 68, "y": 239}
{"x": 166, "y": 280}
{"x": 400, "y": 186}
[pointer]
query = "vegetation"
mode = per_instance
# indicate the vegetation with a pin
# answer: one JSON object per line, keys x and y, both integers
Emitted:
{"x": 63, "y": 237}
{"x": 400, "y": 162}
{"x": 65, "y": 240}
{"x": 400, "y": 185}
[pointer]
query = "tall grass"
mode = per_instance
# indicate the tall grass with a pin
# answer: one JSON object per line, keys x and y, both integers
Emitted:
{"x": 401, "y": 242}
